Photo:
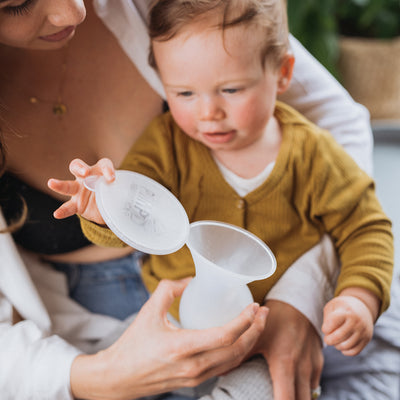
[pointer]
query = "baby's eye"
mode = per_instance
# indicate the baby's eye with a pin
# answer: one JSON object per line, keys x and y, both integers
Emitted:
{"x": 230, "y": 90}
{"x": 186, "y": 93}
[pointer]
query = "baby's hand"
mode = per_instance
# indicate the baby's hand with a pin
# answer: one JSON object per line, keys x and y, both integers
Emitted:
{"x": 348, "y": 324}
{"x": 82, "y": 200}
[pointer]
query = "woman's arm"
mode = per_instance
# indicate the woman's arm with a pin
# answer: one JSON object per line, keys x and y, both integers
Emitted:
{"x": 290, "y": 343}
{"x": 33, "y": 365}
{"x": 316, "y": 94}
{"x": 152, "y": 356}
{"x": 292, "y": 339}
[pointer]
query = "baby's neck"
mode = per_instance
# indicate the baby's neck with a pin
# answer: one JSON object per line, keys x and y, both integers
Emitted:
{"x": 250, "y": 161}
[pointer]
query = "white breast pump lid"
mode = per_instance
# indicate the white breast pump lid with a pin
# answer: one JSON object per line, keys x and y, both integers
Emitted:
{"x": 142, "y": 213}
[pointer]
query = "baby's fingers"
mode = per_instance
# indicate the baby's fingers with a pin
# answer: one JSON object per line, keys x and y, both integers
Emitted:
{"x": 354, "y": 350}
{"x": 79, "y": 168}
{"x": 339, "y": 335}
{"x": 354, "y": 341}
{"x": 332, "y": 321}
{"x": 103, "y": 167}
{"x": 66, "y": 210}
{"x": 68, "y": 188}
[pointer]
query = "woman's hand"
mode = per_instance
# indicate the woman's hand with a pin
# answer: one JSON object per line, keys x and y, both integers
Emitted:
{"x": 293, "y": 351}
{"x": 153, "y": 356}
{"x": 82, "y": 200}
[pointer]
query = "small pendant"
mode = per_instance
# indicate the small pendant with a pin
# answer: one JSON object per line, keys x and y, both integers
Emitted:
{"x": 59, "y": 109}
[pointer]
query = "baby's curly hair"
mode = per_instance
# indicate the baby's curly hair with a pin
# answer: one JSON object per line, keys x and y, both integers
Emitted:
{"x": 168, "y": 17}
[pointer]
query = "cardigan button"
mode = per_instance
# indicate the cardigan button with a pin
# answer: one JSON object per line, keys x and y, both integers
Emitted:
{"x": 240, "y": 204}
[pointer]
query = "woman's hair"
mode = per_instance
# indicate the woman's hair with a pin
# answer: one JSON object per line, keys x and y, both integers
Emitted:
{"x": 14, "y": 225}
{"x": 2, "y": 155}
{"x": 268, "y": 18}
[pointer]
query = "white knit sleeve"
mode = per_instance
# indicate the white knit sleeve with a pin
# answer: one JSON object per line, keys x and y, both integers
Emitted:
{"x": 33, "y": 365}
{"x": 310, "y": 282}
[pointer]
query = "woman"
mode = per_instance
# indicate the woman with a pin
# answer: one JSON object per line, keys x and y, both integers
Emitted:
{"x": 95, "y": 86}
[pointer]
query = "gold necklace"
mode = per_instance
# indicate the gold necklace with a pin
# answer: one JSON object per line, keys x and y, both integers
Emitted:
{"x": 59, "y": 107}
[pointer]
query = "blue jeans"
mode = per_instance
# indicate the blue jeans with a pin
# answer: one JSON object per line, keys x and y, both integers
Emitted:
{"x": 113, "y": 288}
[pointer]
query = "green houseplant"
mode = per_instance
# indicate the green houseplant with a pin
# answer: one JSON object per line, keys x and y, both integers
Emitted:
{"x": 379, "y": 19}
{"x": 359, "y": 43}
{"x": 313, "y": 22}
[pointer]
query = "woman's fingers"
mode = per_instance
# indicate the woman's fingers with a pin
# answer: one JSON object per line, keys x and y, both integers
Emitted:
{"x": 283, "y": 378}
{"x": 199, "y": 341}
{"x": 149, "y": 356}
{"x": 293, "y": 351}
{"x": 233, "y": 342}
{"x": 218, "y": 357}
{"x": 318, "y": 363}
{"x": 308, "y": 374}
{"x": 303, "y": 388}
{"x": 163, "y": 297}
{"x": 202, "y": 353}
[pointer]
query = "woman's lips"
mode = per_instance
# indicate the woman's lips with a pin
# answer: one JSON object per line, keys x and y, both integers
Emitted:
{"x": 58, "y": 36}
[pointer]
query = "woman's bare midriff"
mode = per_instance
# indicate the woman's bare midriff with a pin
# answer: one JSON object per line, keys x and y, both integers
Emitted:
{"x": 108, "y": 106}
{"x": 90, "y": 254}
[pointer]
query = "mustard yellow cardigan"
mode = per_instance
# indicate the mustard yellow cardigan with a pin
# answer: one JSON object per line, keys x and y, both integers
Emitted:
{"x": 315, "y": 187}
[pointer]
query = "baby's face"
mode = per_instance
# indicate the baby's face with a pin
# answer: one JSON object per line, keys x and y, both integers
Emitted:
{"x": 218, "y": 90}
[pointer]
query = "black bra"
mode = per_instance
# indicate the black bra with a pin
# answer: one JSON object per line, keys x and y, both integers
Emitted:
{"x": 41, "y": 233}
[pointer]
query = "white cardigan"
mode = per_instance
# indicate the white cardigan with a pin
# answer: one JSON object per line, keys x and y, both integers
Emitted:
{"x": 36, "y": 354}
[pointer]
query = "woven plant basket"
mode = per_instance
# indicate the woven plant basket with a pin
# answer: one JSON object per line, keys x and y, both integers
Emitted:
{"x": 370, "y": 70}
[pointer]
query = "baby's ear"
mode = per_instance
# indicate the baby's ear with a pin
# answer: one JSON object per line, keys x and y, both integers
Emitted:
{"x": 285, "y": 72}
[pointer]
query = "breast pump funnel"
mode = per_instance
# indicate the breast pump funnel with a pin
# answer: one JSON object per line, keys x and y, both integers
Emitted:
{"x": 147, "y": 216}
{"x": 226, "y": 259}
